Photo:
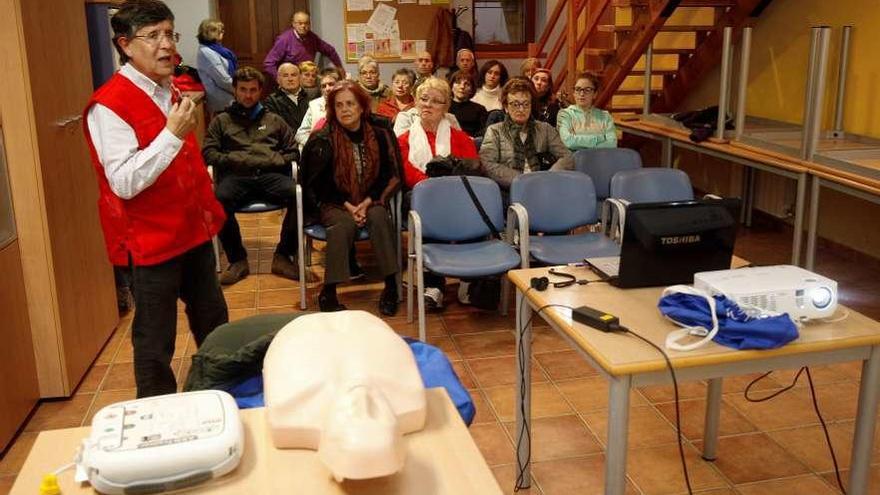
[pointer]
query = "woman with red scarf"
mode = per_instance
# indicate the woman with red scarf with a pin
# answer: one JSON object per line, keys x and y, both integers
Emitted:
{"x": 352, "y": 168}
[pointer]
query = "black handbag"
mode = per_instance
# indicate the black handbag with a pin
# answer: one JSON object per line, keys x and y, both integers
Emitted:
{"x": 484, "y": 292}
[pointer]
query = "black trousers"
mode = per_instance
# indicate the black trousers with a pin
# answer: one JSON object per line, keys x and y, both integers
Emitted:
{"x": 341, "y": 231}
{"x": 235, "y": 192}
{"x": 190, "y": 277}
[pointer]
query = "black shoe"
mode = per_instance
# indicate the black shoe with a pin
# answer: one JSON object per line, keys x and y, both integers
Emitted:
{"x": 388, "y": 302}
{"x": 235, "y": 272}
{"x": 283, "y": 266}
{"x": 357, "y": 273}
{"x": 329, "y": 304}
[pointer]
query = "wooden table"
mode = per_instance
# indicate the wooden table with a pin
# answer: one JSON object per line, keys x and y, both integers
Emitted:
{"x": 441, "y": 459}
{"x": 627, "y": 362}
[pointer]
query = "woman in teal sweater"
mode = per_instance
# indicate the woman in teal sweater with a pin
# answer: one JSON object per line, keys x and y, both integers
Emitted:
{"x": 583, "y": 126}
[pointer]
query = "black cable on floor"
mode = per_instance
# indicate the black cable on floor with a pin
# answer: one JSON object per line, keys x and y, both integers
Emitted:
{"x": 684, "y": 468}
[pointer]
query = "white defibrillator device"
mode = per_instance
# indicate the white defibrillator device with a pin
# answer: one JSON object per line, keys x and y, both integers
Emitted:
{"x": 162, "y": 443}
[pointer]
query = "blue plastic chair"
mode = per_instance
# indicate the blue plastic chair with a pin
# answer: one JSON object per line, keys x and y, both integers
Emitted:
{"x": 443, "y": 211}
{"x": 602, "y": 163}
{"x": 554, "y": 203}
{"x": 645, "y": 185}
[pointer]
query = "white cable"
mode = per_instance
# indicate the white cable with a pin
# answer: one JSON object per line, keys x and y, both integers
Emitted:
{"x": 674, "y": 337}
{"x": 839, "y": 318}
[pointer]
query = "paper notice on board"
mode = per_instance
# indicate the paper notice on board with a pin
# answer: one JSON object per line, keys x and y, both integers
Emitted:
{"x": 354, "y": 5}
{"x": 424, "y": 2}
{"x": 407, "y": 49}
{"x": 406, "y": 1}
{"x": 421, "y": 45}
{"x": 382, "y": 17}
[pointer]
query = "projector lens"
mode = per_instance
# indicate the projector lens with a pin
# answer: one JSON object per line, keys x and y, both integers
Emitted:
{"x": 821, "y": 297}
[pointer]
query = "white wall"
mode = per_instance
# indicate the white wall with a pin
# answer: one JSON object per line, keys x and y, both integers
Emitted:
{"x": 187, "y": 16}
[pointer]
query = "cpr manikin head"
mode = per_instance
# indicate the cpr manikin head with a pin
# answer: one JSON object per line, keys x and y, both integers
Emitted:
{"x": 344, "y": 384}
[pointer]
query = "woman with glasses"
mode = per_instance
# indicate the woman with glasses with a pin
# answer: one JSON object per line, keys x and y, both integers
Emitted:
{"x": 368, "y": 79}
{"x": 471, "y": 116}
{"x": 216, "y": 65}
{"x": 582, "y": 125}
{"x": 352, "y": 170}
{"x": 521, "y": 144}
{"x": 401, "y": 98}
{"x": 430, "y": 136}
{"x": 546, "y": 107}
{"x": 493, "y": 76}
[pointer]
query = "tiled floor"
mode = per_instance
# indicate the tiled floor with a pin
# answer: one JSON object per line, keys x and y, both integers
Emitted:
{"x": 775, "y": 447}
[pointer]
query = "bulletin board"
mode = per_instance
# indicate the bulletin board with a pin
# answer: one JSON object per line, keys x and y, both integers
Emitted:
{"x": 389, "y": 31}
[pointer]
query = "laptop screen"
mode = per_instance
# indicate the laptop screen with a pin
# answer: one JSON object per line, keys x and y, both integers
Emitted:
{"x": 666, "y": 243}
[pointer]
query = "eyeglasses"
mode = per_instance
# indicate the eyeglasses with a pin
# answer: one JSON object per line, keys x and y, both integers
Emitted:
{"x": 586, "y": 91}
{"x": 369, "y": 73}
{"x": 155, "y": 37}
{"x": 519, "y": 105}
{"x": 424, "y": 100}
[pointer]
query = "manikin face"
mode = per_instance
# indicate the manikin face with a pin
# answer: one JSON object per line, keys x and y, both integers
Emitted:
{"x": 401, "y": 86}
{"x": 247, "y": 93}
{"x": 465, "y": 61}
{"x": 493, "y": 77}
{"x": 584, "y": 92}
{"x": 308, "y": 78}
{"x": 151, "y": 50}
{"x": 369, "y": 76}
{"x": 541, "y": 80}
{"x": 301, "y": 24}
{"x": 461, "y": 89}
{"x": 424, "y": 64}
{"x": 327, "y": 83}
{"x": 348, "y": 110}
{"x": 519, "y": 107}
{"x": 432, "y": 107}
{"x": 288, "y": 78}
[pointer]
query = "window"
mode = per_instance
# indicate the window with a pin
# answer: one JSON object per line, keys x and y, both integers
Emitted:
{"x": 504, "y": 25}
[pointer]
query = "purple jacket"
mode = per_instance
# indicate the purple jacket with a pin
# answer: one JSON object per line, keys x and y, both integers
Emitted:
{"x": 291, "y": 48}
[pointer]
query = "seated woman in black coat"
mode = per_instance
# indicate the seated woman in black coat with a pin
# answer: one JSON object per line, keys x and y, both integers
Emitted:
{"x": 352, "y": 168}
{"x": 471, "y": 116}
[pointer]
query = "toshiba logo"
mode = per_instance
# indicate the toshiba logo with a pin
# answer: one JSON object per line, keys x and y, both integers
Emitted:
{"x": 680, "y": 239}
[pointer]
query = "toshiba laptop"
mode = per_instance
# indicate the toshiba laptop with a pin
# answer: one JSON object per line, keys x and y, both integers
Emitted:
{"x": 666, "y": 243}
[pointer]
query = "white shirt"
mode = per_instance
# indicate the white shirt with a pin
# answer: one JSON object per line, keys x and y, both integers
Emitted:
{"x": 317, "y": 111}
{"x": 129, "y": 170}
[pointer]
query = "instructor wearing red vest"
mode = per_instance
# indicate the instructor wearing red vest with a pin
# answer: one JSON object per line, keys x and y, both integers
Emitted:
{"x": 156, "y": 204}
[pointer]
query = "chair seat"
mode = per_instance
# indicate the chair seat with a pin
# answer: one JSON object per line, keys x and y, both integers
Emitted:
{"x": 562, "y": 249}
{"x": 317, "y": 231}
{"x": 477, "y": 259}
{"x": 259, "y": 207}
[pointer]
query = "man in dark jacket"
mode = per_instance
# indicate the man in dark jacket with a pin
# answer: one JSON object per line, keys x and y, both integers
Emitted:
{"x": 251, "y": 150}
{"x": 288, "y": 100}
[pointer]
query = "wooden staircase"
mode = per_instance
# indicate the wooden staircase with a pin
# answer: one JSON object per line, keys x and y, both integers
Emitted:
{"x": 610, "y": 38}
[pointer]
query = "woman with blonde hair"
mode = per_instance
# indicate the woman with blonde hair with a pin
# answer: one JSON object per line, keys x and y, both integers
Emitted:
{"x": 216, "y": 65}
{"x": 308, "y": 79}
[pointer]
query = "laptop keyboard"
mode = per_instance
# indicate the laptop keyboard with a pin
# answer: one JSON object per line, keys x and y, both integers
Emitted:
{"x": 608, "y": 265}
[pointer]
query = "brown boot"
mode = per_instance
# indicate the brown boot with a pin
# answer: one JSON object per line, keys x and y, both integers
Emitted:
{"x": 235, "y": 272}
{"x": 283, "y": 266}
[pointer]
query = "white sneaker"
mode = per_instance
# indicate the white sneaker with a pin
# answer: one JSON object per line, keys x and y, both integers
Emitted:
{"x": 433, "y": 299}
{"x": 463, "y": 296}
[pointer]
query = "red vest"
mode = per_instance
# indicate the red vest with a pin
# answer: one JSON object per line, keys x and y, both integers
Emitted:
{"x": 173, "y": 215}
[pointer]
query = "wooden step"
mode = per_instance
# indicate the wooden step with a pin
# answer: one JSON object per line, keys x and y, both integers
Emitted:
{"x": 607, "y": 52}
{"x": 684, "y": 3}
{"x": 655, "y": 91}
{"x": 611, "y": 28}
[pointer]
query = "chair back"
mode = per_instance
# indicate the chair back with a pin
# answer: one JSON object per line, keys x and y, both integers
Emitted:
{"x": 556, "y": 201}
{"x": 448, "y": 213}
{"x": 652, "y": 185}
{"x": 602, "y": 163}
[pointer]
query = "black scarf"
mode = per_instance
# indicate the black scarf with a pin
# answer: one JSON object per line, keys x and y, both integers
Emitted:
{"x": 523, "y": 152}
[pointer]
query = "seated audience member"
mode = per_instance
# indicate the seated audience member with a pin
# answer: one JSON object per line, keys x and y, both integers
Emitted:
{"x": 582, "y": 125}
{"x": 471, "y": 116}
{"x": 521, "y": 144}
{"x": 493, "y": 76}
{"x": 368, "y": 78}
{"x": 288, "y": 100}
{"x": 424, "y": 66}
{"x": 216, "y": 65}
{"x": 528, "y": 66}
{"x": 432, "y": 135}
{"x": 466, "y": 63}
{"x": 317, "y": 107}
{"x": 405, "y": 120}
{"x": 251, "y": 150}
{"x": 308, "y": 79}
{"x": 298, "y": 44}
{"x": 352, "y": 170}
{"x": 545, "y": 107}
{"x": 401, "y": 98}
